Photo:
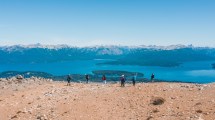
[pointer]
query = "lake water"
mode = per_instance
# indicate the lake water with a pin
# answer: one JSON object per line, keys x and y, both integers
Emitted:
{"x": 199, "y": 72}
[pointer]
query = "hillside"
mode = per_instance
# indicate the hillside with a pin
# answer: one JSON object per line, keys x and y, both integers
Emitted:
{"x": 166, "y": 56}
{"x": 44, "y": 99}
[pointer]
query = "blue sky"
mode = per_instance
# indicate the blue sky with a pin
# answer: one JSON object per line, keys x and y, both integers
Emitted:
{"x": 101, "y": 22}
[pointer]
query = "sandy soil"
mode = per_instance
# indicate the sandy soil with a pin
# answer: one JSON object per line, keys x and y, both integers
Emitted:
{"x": 46, "y": 100}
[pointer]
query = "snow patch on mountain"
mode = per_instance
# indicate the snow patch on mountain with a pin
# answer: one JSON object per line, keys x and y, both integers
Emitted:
{"x": 101, "y": 50}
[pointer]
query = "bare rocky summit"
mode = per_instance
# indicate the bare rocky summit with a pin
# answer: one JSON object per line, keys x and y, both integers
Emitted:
{"x": 44, "y": 99}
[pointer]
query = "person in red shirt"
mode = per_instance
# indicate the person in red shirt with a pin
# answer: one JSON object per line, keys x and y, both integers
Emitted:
{"x": 104, "y": 79}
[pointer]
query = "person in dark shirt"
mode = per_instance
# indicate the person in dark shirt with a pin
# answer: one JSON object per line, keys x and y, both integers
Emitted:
{"x": 134, "y": 79}
{"x": 122, "y": 81}
{"x": 87, "y": 78}
{"x": 69, "y": 78}
{"x": 152, "y": 77}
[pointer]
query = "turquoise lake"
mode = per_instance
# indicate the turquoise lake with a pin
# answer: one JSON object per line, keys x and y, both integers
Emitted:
{"x": 198, "y": 72}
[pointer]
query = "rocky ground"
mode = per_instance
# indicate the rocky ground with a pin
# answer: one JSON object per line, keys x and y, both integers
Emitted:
{"x": 44, "y": 99}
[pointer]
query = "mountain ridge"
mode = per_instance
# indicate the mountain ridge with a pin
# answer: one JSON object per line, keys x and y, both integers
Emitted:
{"x": 166, "y": 56}
{"x": 61, "y": 46}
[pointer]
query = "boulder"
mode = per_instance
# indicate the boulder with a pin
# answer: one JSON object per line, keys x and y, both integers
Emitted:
{"x": 20, "y": 77}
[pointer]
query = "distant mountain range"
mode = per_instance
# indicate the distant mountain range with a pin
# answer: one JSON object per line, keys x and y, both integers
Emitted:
{"x": 166, "y": 56}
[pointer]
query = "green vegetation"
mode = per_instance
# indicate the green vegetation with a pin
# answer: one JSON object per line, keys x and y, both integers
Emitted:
{"x": 213, "y": 65}
{"x": 163, "y": 58}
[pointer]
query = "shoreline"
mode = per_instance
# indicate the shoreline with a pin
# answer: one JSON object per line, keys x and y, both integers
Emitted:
{"x": 93, "y": 77}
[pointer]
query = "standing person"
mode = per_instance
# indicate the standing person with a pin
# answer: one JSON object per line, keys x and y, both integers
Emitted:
{"x": 69, "y": 78}
{"x": 122, "y": 81}
{"x": 87, "y": 78}
{"x": 104, "y": 79}
{"x": 134, "y": 79}
{"x": 152, "y": 77}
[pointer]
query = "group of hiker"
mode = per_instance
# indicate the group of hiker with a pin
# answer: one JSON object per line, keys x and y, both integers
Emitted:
{"x": 104, "y": 79}
{"x": 123, "y": 79}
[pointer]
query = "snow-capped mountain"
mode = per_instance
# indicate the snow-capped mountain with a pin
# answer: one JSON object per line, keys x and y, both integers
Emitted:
{"x": 139, "y": 55}
{"x": 101, "y": 50}
{"x": 31, "y": 46}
